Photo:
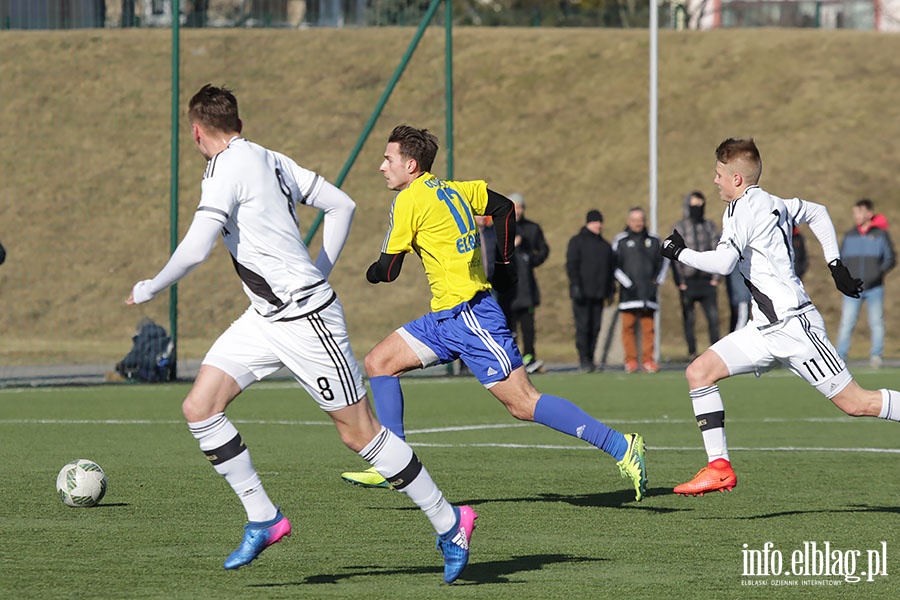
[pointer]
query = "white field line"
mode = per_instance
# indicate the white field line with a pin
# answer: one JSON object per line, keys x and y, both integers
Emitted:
{"x": 484, "y": 427}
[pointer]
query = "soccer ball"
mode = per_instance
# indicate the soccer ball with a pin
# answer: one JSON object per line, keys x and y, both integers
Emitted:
{"x": 81, "y": 483}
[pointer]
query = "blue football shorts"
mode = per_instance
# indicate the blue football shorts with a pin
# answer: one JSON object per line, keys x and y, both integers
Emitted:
{"x": 474, "y": 331}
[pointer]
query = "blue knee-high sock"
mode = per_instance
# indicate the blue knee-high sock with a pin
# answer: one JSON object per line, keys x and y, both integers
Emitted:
{"x": 562, "y": 415}
{"x": 388, "y": 399}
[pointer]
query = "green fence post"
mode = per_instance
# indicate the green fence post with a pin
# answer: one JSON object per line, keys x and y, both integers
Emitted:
{"x": 173, "y": 188}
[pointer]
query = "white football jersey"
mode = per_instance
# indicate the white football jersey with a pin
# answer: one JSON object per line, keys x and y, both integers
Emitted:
{"x": 758, "y": 226}
{"x": 253, "y": 192}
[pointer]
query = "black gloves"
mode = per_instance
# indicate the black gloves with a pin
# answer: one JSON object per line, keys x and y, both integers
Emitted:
{"x": 843, "y": 280}
{"x": 672, "y": 246}
{"x": 371, "y": 277}
{"x": 576, "y": 293}
{"x": 505, "y": 277}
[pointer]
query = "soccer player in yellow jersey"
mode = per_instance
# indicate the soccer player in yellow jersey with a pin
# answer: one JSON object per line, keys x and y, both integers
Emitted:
{"x": 436, "y": 220}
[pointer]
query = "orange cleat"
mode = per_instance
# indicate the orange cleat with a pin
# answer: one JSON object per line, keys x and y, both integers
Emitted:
{"x": 631, "y": 366}
{"x": 650, "y": 367}
{"x": 718, "y": 475}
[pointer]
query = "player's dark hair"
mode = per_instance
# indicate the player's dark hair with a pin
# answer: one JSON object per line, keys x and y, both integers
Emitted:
{"x": 745, "y": 150}
{"x": 419, "y": 144}
{"x": 866, "y": 204}
{"x": 215, "y": 107}
{"x": 698, "y": 194}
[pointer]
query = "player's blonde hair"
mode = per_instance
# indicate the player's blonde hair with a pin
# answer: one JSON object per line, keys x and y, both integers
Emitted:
{"x": 743, "y": 157}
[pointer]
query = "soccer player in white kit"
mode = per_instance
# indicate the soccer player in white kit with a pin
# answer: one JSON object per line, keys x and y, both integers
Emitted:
{"x": 786, "y": 327}
{"x": 249, "y": 195}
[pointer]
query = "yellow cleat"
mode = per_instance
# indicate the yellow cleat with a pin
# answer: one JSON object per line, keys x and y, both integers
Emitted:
{"x": 368, "y": 478}
{"x": 632, "y": 465}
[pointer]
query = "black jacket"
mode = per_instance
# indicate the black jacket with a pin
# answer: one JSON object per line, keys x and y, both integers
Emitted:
{"x": 531, "y": 252}
{"x": 638, "y": 257}
{"x": 590, "y": 265}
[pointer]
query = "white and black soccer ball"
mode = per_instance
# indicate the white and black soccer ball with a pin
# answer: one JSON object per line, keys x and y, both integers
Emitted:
{"x": 81, "y": 483}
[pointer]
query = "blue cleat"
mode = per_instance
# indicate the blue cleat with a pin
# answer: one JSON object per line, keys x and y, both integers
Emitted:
{"x": 454, "y": 544}
{"x": 258, "y": 537}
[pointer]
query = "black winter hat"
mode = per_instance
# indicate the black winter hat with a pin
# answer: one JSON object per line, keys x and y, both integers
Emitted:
{"x": 594, "y": 215}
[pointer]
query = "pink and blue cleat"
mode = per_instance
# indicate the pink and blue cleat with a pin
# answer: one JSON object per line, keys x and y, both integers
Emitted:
{"x": 454, "y": 544}
{"x": 258, "y": 537}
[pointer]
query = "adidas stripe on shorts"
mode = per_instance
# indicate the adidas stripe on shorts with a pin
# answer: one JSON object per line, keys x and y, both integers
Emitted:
{"x": 799, "y": 342}
{"x": 474, "y": 331}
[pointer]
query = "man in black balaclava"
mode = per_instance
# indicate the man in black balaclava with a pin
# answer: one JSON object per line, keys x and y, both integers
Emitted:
{"x": 697, "y": 286}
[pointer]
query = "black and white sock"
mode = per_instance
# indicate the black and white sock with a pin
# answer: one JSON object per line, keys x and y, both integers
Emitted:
{"x": 222, "y": 444}
{"x": 395, "y": 461}
{"x": 710, "y": 413}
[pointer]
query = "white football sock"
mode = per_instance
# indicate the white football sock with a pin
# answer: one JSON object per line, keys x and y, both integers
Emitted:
{"x": 890, "y": 405}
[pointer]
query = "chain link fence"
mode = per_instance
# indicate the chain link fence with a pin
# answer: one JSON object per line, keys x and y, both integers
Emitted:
{"x": 674, "y": 14}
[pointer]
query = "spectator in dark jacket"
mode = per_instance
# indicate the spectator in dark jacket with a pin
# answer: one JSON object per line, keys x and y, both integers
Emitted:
{"x": 694, "y": 286}
{"x": 519, "y": 303}
{"x": 640, "y": 271}
{"x": 868, "y": 253}
{"x": 590, "y": 265}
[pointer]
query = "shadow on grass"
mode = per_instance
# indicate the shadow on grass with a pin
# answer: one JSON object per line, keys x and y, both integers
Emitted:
{"x": 496, "y": 571}
{"x": 617, "y": 499}
{"x": 853, "y": 508}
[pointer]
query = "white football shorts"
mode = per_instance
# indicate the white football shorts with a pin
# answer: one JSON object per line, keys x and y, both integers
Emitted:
{"x": 315, "y": 348}
{"x": 800, "y": 343}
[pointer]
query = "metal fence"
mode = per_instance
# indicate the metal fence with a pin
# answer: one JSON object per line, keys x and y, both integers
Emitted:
{"x": 821, "y": 14}
{"x": 72, "y": 14}
{"x": 676, "y": 14}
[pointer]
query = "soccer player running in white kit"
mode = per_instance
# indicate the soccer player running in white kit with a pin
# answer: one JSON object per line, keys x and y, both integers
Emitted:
{"x": 786, "y": 327}
{"x": 249, "y": 195}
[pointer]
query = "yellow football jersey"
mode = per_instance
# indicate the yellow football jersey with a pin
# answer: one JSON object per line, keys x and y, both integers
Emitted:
{"x": 435, "y": 219}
